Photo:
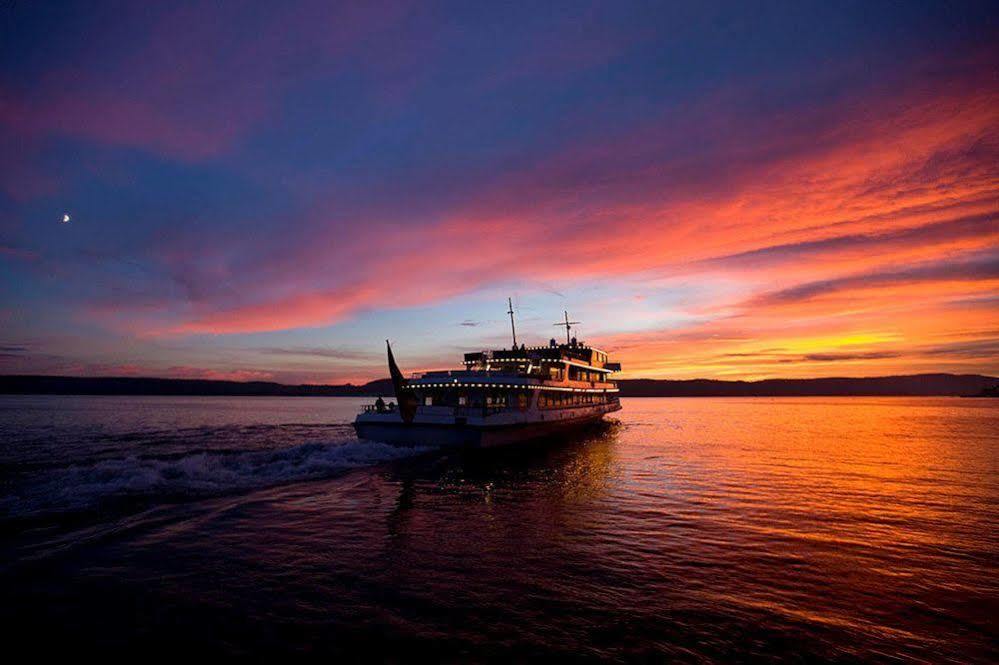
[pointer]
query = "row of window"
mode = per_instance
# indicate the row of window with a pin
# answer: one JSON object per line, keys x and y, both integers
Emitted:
{"x": 477, "y": 400}
{"x": 560, "y": 400}
{"x": 519, "y": 400}
{"x": 580, "y": 374}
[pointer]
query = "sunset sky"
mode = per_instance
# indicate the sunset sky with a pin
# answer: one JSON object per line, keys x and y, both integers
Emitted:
{"x": 269, "y": 190}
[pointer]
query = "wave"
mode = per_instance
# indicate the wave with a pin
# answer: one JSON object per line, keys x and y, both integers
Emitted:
{"x": 189, "y": 476}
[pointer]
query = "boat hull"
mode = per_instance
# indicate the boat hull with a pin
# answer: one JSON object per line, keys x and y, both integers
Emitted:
{"x": 468, "y": 435}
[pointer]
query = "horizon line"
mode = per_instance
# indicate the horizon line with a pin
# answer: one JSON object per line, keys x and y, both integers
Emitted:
{"x": 386, "y": 378}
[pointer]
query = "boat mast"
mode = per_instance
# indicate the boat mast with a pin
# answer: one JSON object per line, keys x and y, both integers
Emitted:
{"x": 513, "y": 328}
{"x": 568, "y": 325}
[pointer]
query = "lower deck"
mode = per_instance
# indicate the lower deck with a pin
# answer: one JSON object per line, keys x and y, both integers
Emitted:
{"x": 449, "y": 427}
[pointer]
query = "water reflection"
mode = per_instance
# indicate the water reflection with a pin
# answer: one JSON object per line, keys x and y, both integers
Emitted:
{"x": 496, "y": 497}
{"x": 693, "y": 530}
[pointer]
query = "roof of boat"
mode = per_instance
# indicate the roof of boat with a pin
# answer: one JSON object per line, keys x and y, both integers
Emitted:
{"x": 478, "y": 379}
{"x": 571, "y": 351}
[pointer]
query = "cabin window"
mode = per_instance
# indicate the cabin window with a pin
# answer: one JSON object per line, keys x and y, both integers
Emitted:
{"x": 462, "y": 400}
{"x": 428, "y": 401}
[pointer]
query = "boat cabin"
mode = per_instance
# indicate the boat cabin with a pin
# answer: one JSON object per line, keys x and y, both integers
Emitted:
{"x": 573, "y": 361}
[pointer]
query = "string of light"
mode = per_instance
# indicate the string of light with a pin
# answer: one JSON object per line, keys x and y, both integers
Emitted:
{"x": 527, "y": 386}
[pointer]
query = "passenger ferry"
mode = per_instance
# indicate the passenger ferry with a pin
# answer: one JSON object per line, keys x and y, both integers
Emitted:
{"x": 500, "y": 396}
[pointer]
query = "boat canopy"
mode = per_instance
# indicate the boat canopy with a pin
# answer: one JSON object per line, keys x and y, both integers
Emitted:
{"x": 571, "y": 354}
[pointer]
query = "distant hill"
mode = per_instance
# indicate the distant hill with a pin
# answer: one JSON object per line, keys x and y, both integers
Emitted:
{"x": 988, "y": 392}
{"x": 916, "y": 384}
{"x": 76, "y": 385}
{"x": 913, "y": 385}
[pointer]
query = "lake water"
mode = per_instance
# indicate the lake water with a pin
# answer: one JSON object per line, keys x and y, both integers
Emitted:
{"x": 695, "y": 530}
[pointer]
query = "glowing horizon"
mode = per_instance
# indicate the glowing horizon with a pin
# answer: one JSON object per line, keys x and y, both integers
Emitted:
{"x": 714, "y": 194}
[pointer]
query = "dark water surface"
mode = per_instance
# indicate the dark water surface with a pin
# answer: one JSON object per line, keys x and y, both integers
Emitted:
{"x": 703, "y": 530}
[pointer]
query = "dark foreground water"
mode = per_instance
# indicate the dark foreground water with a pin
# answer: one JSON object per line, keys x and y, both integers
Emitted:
{"x": 691, "y": 530}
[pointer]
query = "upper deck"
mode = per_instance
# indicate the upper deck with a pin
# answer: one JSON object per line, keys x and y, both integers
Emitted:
{"x": 570, "y": 354}
{"x": 571, "y": 366}
{"x": 520, "y": 383}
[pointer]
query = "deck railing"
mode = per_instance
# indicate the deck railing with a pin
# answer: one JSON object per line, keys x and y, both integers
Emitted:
{"x": 373, "y": 408}
{"x": 459, "y": 411}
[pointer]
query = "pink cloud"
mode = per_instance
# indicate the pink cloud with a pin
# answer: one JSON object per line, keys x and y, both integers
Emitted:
{"x": 188, "y": 85}
{"x": 897, "y": 177}
{"x": 186, "y": 372}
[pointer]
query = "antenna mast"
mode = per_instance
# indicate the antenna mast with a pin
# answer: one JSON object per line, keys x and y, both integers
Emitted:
{"x": 513, "y": 327}
{"x": 567, "y": 325}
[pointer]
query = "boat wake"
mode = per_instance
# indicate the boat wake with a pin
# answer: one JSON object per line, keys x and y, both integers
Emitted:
{"x": 150, "y": 480}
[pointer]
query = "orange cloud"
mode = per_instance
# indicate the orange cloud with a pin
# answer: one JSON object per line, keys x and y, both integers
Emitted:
{"x": 872, "y": 217}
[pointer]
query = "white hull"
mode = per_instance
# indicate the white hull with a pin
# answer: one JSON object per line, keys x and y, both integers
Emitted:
{"x": 458, "y": 427}
{"x": 501, "y": 396}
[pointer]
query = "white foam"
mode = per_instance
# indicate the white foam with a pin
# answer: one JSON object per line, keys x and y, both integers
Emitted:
{"x": 202, "y": 474}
